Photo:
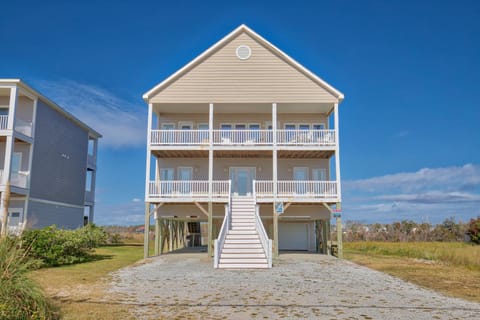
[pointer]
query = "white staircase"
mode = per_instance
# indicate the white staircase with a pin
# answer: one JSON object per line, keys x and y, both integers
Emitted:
{"x": 242, "y": 247}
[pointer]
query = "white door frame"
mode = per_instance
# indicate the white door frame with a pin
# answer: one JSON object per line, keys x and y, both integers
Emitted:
{"x": 251, "y": 168}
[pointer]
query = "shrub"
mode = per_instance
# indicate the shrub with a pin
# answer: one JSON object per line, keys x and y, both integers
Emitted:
{"x": 473, "y": 230}
{"x": 56, "y": 246}
{"x": 20, "y": 297}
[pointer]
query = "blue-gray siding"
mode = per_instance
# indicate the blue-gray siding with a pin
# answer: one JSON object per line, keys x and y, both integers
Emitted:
{"x": 42, "y": 215}
{"x": 58, "y": 170}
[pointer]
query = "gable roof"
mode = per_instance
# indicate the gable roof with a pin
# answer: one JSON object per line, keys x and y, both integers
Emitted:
{"x": 242, "y": 29}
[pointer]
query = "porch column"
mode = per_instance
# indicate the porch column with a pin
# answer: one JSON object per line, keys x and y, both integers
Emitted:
{"x": 339, "y": 232}
{"x": 274, "y": 178}
{"x": 149, "y": 154}
{"x": 324, "y": 236}
{"x": 337, "y": 153}
{"x": 157, "y": 230}
{"x": 146, "y": 231}
{"x": 9, "y": 146}
{"x": 210, "y": 181}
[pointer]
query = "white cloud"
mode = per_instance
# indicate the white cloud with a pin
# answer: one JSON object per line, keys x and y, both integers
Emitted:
{"x": 136, "y": 200}
{"x": 401, "y": 134}
{"x": 122, "y": 123}
{"x": 429, "y": 194}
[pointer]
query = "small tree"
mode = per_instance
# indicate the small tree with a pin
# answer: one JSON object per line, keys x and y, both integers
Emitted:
{"x": 473, "y": 230}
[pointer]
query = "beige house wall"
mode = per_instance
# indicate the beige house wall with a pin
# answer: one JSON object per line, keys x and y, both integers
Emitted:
{"x": 223, "y": 77}
{"x": 262, "y": 118}
{"x": 263, "y": 167}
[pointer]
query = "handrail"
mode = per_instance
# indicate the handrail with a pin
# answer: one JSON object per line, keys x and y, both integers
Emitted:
{"x": 219, "y": 242}
{"x": 295, "y": 188}
{"x": 266, "y": 243}
{"x": 187, "y": 188}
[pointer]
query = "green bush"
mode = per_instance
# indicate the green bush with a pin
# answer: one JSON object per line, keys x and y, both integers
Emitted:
{"x": 20, "y": 297}
{"x": 473, "y": 230}
{"x": 56, "y": 246}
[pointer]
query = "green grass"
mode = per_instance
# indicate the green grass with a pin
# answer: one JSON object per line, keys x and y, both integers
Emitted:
{"x": 76, "y": 288}
{"x": 449, "y": 267}
{"x": 454, "y": 253}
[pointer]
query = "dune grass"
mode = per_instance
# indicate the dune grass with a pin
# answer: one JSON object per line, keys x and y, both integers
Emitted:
{"x": 454, "y": 253}
{"x": 449, "y": 267}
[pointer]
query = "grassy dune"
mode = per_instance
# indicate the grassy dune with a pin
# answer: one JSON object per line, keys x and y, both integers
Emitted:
{"x": 448, "y": 267}
{"x": 453, "y": 253}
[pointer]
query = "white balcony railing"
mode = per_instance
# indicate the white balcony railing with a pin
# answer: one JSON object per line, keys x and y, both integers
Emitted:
{"x": 242, "y": 137}
{"x": 91, "y": 161}
{"x": 89, "y": 196}
{"x": 306, "y": 137}
{"x": 179, "y": 137}
{"x": 297, "y": 189}
{"x": 24, "y": 127}
{"x": 188, "y": 189}
{"x": 19, "y": 179}
{"x": 3, "y": 122}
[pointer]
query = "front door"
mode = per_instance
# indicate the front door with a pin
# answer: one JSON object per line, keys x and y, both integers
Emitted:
{"x": 242, "y": 179}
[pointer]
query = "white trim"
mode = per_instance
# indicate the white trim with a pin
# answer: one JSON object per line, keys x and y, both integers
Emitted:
{"x": 226, "y": 39}
{"x": 185, "y": 123}
{"x": 17, "y": 82}
{"x": 56, "y": 203}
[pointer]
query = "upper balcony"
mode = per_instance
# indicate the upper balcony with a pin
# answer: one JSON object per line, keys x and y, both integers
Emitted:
{"x": 243, "y": 138}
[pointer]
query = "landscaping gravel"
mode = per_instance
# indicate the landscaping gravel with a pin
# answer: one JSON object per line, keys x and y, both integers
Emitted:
{"x": 300, "y": 285}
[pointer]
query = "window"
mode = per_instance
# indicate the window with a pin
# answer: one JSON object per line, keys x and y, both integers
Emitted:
{"x": 166, "y": 178}
{"x": 319, "y": 174}
{"x": 16, "y": 162}
{"x": 185, "y": 125}
{"x": 204, "y": 134}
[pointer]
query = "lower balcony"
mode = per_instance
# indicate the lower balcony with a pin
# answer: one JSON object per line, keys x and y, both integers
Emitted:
{"x": 17, "y": 179}
{"x": 287, "y": 191}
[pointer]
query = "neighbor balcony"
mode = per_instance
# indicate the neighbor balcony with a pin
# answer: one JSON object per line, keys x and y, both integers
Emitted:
{"x": 285, "y": 137}
{"x": 21, "y": 126}
{"x": 17, "y": 179}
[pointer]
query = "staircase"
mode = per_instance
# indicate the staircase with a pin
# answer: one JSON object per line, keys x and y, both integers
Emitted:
{"x": 243, "y": 247}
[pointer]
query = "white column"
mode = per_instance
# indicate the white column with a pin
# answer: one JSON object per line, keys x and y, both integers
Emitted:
{"x": 274, "y": 154}
{"x": 337, "y": 153}
{"x": 149, "y": 155}
{"x": 9, "y": 144}
{"x": 210, "y": 151}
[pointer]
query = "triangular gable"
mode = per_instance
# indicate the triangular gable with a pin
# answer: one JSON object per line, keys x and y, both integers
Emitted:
{"x": 219, "y": 76}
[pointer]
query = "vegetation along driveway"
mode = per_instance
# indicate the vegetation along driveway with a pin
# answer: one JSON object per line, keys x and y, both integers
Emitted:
{"x": 299, "y": 286}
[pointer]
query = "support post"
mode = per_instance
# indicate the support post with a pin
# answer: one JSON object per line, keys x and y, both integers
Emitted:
{"x": 324, "y": 237}
{"x": 339, "y": 233}
{"x": 210, "y": 229}
{"x": 170, "y": 236}
{"x": 146, "y": 231}
{"x": 157, "y": 231}
{"x": 337, "y": 152}
{"x": 275, "y": 179}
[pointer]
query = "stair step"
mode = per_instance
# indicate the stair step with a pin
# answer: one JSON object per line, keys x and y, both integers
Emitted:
{"x": 243, "y": 250}
{"x": 252, "y": 228}
{"x": 243, "y": 255}
{"x": 246, "y": 246}
{"x": 242, "y": 232}
{"x": 243, "y": 266}
{"x": 255, "y": 241}
{"x": 242, "y": 260}
{"x": 242, "y": 236}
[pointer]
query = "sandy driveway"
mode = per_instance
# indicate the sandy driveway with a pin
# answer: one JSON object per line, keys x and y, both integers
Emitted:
{"x": 299, "y": 286}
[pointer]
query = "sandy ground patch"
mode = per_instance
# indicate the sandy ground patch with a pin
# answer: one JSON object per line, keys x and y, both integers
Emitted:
{"x": 303, "y": 286}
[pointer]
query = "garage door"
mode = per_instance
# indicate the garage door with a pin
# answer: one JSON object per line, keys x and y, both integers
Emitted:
{"x": 293, "y": 236}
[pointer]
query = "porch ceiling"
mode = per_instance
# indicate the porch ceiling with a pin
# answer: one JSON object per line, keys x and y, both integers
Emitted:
{"x": 324, "y": 108}
{"x": 255, "y": 154}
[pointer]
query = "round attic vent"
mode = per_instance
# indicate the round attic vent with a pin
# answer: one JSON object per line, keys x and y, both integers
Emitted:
{"x": 244, "y": 52}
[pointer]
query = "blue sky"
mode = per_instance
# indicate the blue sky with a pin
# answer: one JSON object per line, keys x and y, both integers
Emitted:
{"x": 410, "y": 72}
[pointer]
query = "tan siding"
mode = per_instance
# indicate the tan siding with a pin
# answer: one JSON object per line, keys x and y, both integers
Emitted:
{"x": 223, "y": 78}
{"x": 263, "y": 171}
{"x": 261, "y": 118}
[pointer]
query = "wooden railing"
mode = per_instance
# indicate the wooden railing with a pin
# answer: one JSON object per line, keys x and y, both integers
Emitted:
{"x": 3, "y": 122}
{"x": 262, "y": 233}
{"x": 299, "y": 189}
{"x": 306, "y": 137}
{"x": 24, "y": 127}
{"x": 226, "y": 226}
{"x": 242, "y": 137}
{"x": 188, "y": 189}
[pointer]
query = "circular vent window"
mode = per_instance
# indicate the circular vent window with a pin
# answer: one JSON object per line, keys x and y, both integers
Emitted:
{"x": 244, "y": 52}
